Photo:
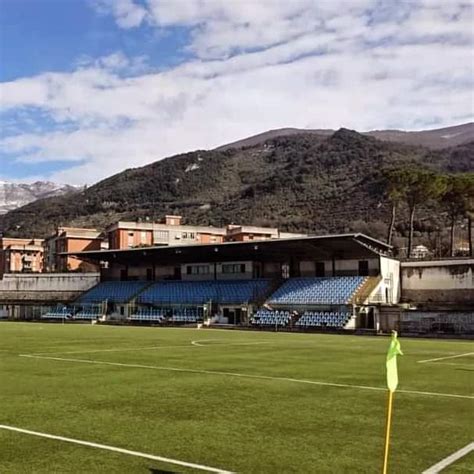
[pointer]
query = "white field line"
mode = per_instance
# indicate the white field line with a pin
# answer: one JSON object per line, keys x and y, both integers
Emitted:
{"x": 250, "y": 376}
{"x": 117, "y": 450}
{"x": 200, "y": 343}
{"x": 455, "y": 364}
{"x": 197, "y": 343}
{"x": 153, "y": 348}
{"x": 450, "y": 459}
{"x": 447, "y": 357}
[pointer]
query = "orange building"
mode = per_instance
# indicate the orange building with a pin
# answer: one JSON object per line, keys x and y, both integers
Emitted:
{"x": 71, "y": 239}
{"x": 125, "y": 235}
{"x": 21, "y": 255}
{"x": 240, "y": 233}
{"x": 243, "y": 233}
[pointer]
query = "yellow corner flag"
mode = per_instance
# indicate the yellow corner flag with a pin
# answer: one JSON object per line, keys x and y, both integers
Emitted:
{"x": 392, "y": 372}
{"x": 392, "y": 381}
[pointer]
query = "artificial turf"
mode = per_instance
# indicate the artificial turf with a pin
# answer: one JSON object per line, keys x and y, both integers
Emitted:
{"x": 227, "y": 420}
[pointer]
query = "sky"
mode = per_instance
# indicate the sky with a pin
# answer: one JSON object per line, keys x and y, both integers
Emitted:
{"x": 89, "y": 88}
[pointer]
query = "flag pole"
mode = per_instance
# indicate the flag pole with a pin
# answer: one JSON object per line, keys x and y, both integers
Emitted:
{"x": 387, "y": 432}
{"x": 392, "y": 383}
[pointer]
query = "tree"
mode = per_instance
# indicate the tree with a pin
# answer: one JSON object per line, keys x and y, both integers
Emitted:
{"x": 417, "y": 186}
{"x": 469, "y": 208}
{"x": 396, "y": 188}
{"x": 458, "y": 199}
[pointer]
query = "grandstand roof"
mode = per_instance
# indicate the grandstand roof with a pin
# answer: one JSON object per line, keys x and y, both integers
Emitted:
{"x": 326, "y": 247}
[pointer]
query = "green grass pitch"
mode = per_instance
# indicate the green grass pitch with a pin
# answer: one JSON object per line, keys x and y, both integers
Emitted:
{"x": 211, "y": 412}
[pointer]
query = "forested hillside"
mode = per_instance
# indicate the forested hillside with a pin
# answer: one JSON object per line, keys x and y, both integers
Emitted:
{"x": 301, "y": 182}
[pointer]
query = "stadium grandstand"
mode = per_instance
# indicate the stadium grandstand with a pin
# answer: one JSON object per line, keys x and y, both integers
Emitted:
{"x": 335, "y": 281}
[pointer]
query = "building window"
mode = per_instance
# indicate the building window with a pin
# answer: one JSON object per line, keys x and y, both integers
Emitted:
{"x": 198, "y": 270}
{"x": 130, "y": 239}
{"x": 233, "y": 268}
{"x": 160, "y": 236}
{"x": 143, "y": 237}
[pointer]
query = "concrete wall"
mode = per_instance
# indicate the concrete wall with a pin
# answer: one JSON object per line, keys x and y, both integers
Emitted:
{"x": 164, "y": 272}
{"x": 342, "y": 267}
{"x": 442, "y": 281}
{"x": 425, "y": 322}
{"x": 388, "y": 290}
{"x": 138, "y": 273}
{"x": 271, "y": 270}
{"x": 46, "y": 286}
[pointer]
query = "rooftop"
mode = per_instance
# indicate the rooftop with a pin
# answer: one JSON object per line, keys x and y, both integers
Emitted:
{"x": 161, "y": 226}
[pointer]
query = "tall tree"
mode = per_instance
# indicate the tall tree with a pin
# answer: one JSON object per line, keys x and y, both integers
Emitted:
{"x": 420, "y": 186}
{"x": 470, "y": 217}
{"x": 469, "y": 207}
{"x": 395, "y": 193}
{"x": 458, "y": 200}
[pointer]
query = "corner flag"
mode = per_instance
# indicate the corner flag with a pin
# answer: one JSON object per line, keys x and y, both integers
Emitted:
{"x": 392, "y": 382}
{"x": 392, "y": 372}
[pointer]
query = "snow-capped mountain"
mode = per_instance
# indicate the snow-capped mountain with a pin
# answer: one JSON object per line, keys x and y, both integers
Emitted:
{"x": 13, "y": 195}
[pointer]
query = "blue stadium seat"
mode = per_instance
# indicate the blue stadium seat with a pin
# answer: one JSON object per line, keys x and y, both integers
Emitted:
{"x": 187, "y": 315}
{"x": 60, "y": 312}
{"x": 201, "y": 292}
{"x": 311, "y": 291}
{"x": 266, "y": 317}
{"x": 113, "y": 291}
{"x": 335, "y": 319}
{"x": 178, "y": 315}
{"x": 92, "y": 312}
{"x": 148, "y": 314}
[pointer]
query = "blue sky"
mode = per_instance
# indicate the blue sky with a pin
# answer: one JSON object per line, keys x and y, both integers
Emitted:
{"x": 52, "y": 35}
{"x": 90, "y": 87}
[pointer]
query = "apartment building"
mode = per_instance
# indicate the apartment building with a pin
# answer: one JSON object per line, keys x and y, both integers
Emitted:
{"x": 71, "y": 239}
{"x": 21, "y": 255}
{"x": 125, "y": 235}
{"x": 243, "y": 233}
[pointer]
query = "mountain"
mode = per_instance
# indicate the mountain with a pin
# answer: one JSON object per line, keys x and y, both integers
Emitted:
{"x": 434, "y": 139}
{"x": 14, "y": 195}
{"x": 304, "y": 182}
{"x": 279, "y": 132}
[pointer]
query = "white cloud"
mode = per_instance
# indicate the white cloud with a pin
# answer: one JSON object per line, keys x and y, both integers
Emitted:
{"x": 339, "y": 65}
{"x": 221, "y": 27}
{"x": 127, "y": 13}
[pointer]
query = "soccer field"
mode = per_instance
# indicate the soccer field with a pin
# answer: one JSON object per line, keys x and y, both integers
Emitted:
{"x": 249, "y": 402}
